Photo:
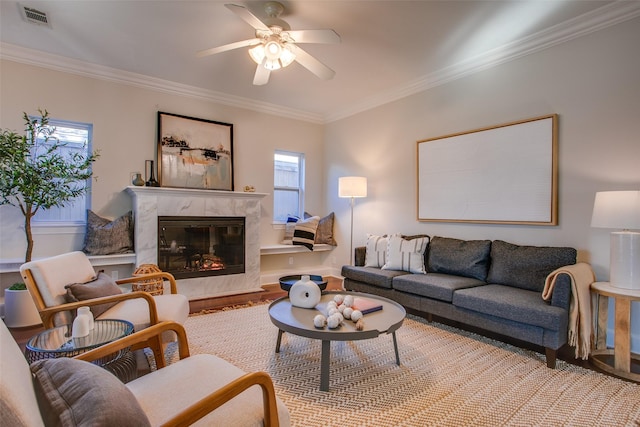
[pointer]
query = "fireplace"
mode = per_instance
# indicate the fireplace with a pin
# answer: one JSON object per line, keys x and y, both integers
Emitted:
{"x": 201, "y": 246}
{"x": 152, "y": 203}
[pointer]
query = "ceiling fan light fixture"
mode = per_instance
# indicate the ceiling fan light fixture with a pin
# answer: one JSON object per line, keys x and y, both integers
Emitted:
{"x": 257, "y": 53}
{"x": 287, "y": 56}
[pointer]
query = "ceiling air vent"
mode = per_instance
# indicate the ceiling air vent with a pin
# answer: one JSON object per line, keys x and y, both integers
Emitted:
{"x": 34, "y": 16}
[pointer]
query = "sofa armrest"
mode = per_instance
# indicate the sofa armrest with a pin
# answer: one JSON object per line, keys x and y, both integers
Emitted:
{"x": 561, "y": 296}
{"x": 360, "y": 253}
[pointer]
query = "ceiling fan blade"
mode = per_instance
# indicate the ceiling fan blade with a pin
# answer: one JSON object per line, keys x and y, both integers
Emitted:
{"x": 312, "y": 64}
{"x": 262, "y": 76}
{"x": 314, "y": 36}
{"x": 226, "y": 47}
{"x": 247, "y": 16}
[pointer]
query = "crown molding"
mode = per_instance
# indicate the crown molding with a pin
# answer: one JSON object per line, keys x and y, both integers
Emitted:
{"x": 63, "y": 64}
{"x": 598, "y": 19}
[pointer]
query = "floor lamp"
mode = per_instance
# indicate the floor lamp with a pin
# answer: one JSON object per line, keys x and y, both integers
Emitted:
{"x": 353, "y": 187}
{"x": 621, "y": 210}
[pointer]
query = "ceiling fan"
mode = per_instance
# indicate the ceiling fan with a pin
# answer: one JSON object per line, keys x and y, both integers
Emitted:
{"x": 275, "y": 44}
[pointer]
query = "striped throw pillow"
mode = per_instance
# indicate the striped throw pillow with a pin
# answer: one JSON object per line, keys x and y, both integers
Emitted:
{"x": 406, "y": 255}
{"x": 376, "y": 254}
{"x": 305, "y": 232}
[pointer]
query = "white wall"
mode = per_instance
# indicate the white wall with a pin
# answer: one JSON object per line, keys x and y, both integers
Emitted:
{"x": 593, "y": 83}
{"x": 124, "y": 131}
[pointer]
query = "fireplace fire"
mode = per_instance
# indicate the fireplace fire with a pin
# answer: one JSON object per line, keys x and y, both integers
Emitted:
{"x": 201, "y": 246}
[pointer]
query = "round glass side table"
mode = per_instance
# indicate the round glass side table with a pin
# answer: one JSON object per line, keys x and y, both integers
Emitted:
{"x": 58, "y": 342}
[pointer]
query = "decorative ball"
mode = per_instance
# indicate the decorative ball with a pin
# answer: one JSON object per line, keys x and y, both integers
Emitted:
{"x": 356, "y": 315}
{"x": 338, "y": 299}
{"x": 341, "y": 308}
{"x": 360, "y": 325}
{"x": 333, "y": 321}
{"x": 319, "y": 321}
{"x": 339, "y": 316}
{"x": 333, "y": 311}
{"x": 348, "y": 300}
{"x": 332, "y": 304}
{"x": 347, "y": 312}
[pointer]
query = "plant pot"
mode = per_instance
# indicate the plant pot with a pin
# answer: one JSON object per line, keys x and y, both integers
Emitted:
{"x": 19, "y": 309}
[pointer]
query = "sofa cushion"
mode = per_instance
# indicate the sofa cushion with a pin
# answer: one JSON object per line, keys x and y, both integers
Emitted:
{"x": 77, "y": 393}
{"x": 434, "y": 285}
{"x": 376, "y": 254}
{"x": 371, "y": 275}
{"x": 468, "y": 258}
{"x": 526, "y": 267}
{"x": 406, "y": 255}
{"x": 507, "y": 302}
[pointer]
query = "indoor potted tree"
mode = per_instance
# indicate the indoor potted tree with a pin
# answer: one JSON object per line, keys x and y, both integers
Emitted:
{"x": 35, "y": 175}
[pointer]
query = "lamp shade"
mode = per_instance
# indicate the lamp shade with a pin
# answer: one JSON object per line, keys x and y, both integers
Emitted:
{"x": 352, "y": 186}
{"x": 617, "y": 209}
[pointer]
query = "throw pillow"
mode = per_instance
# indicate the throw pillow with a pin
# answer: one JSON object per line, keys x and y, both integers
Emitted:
{"x": 467, "y": 258}
{"x": 406, "y": 255}
{"x": 77, "y": 393}
{"x": 526, "y": 267}
{"x": 305, "y": 232}
{"x": 324, "y": 233}
{"x": 289, "y": 228}
{"x": 376, "y": 253}
{"x": 101, "y": 286}
{"x": 106, "y": 237}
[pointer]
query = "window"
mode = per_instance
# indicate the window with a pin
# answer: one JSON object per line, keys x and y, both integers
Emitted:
{"x": 288, "y": 185}
{"x": 76, "y": 138}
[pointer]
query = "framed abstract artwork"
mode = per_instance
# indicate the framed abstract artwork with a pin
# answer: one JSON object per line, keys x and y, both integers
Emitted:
{"x": 505, "y": 174}
{"x": 194, "y": 153}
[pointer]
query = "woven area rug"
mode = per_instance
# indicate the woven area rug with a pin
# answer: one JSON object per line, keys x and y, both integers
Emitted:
{"x": 447, "y": 377}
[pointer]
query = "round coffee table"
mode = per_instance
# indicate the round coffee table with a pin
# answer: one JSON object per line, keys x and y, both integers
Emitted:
{"x": 299, "y": 321}
{"x": 57, "y": 342}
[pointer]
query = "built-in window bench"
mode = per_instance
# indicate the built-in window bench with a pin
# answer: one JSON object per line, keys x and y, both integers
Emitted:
{"x": 292, "y": 249}
{"x": 13, "y": 265}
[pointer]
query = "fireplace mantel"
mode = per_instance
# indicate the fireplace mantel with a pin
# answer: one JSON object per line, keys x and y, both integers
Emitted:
{"x": 151, "y": 202}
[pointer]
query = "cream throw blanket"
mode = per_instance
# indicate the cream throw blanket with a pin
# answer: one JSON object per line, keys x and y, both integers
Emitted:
{"x": 580, "y": 322}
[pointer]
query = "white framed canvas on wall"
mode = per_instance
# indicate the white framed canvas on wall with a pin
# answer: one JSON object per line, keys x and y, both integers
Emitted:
{"x": 504, "y": 174}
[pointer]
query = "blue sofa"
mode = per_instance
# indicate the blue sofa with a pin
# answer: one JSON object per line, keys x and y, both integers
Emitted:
{"x": 492, "y": 285}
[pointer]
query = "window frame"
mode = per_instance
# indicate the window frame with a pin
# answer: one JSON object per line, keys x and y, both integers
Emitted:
{"x": 300, "y": 189}
{"x": 37, "y": 221}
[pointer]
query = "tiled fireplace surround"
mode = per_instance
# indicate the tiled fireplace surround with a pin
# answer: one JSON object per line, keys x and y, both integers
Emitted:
{"x": 151, "y": 202}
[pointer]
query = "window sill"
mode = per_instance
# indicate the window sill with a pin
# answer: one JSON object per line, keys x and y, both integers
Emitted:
{"x": 293, "y": 249}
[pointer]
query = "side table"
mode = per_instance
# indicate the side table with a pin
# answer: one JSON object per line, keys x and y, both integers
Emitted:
{"x": 57, "y": 342}
{"x": 624, "y": 364}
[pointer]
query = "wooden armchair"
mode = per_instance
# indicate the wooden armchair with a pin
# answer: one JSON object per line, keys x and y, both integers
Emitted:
{"x": 46, "y": 280}
{"x": 202, "y": 389}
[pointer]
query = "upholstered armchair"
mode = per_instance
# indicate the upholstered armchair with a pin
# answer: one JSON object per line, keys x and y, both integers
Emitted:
{"x": 202, "y": 389}
{"x": 51, "y": 280}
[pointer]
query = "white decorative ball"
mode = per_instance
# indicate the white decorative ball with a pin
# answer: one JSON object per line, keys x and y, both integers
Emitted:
{"x": 333, "y": 311}
{"x": 319, "y": 321}
{"x": 333, "y": 321}
{"x": 341, "y": 308}
{"x": 356, "y": 315}
{"x": 332, "y": 304}
{"x": 339, "y": 316}
{"x": 338, "y": 299}
{"x": 348, "y": 300}
{"x": 347, "y": 312}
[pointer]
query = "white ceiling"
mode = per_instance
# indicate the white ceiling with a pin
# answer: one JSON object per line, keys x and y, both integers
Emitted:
{"x": 389, "y": 48}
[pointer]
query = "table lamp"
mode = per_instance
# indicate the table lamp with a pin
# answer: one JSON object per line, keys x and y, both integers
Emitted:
{"x": 621, "y": 210}
{"x": 353, "y": 187}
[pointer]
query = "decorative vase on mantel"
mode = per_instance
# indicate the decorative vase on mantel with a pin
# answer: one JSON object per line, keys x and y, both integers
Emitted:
{"x": 151, "y": 174}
